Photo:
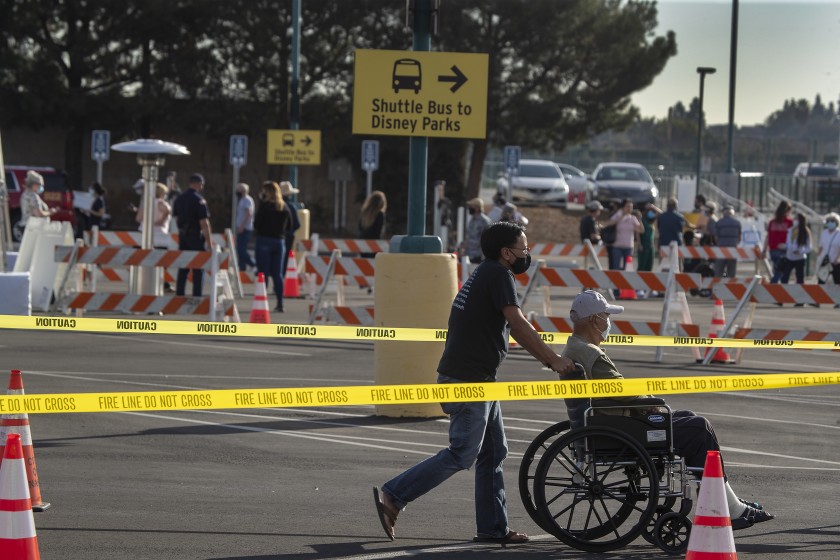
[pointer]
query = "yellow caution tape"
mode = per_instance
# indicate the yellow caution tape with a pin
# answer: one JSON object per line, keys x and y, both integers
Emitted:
{"x": 341, "y": 332}
{"x": 400, "y": 394}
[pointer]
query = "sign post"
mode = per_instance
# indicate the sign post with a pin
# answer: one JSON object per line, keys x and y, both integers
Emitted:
{"x": 238, "y": 158}
{"x": 100, "y": 146}
{"x": 512, "y": 156}
{"x": 370, "y": 161}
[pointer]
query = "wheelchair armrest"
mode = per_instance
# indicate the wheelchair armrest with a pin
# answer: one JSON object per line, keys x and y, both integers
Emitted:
{"x": 612, "y": 403}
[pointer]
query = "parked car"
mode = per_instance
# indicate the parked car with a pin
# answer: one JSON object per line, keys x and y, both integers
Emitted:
{"x": 616, "y": 180}
{"x": 539, "y": 182}
{"x": 816, "y": 172}
{"x": 580, "y": 187}
{"x": 57, "y": 194}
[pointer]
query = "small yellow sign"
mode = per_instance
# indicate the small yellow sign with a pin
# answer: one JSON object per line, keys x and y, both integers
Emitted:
{"x": 419, "y": 93}
{"x": 294, "y": 147}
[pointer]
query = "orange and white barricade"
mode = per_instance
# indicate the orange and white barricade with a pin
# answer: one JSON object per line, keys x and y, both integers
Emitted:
{"x": 315, "y": 245}
{"x": 642, "y": 328}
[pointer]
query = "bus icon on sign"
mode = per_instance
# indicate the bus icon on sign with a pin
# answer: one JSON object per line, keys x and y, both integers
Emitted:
{"x": 288, "y": 139}
{"x": 407, "y": 75}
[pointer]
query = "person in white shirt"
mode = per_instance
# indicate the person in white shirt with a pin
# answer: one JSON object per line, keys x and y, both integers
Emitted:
{"x": 830, "y": 248}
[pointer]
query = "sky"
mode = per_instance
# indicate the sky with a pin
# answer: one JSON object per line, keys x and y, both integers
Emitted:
{"x": 786, "y": 49}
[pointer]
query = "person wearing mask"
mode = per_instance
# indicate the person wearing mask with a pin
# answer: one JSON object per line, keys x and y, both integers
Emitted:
{"x": 160, "y": 223}
{"x": 484, "y": 315}
{"x": 478, "y": 222}
{"x": 287, "y": 190}
{"x": 499, "y": 203}
{"x": 775, "y": 241}
{"x": 31, "y": 203}
{"x": 646, "y": 239}
{"x": 244, "y": 225}
{"x": 193, "y": 216}
{"x": 589, "y": 227}
{"x": 829, "y": 257}
{"x": 726, "y": 232}
{"x": 271, "y": 224}
{"x": 798, "y": 246}
{"x": 94, "y": 215}
{"x": 693, "y": 435}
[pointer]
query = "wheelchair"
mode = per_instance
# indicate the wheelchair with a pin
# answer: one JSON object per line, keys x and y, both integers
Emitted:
{"x": 598, "y": 481}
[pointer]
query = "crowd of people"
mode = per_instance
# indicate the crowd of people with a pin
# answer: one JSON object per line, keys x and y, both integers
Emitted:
{"x": 787, "y": 242}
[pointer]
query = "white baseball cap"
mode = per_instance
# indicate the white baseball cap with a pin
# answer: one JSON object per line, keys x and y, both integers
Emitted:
{"x": 590, "y": 302}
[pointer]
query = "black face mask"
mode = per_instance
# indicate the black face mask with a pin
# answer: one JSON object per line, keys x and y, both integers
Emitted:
{"x": 521, "y": 264}
{"x": 239, "y": 195}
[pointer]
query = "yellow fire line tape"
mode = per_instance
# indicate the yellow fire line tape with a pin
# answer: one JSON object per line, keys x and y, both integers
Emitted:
{"x": 338, "y": 332}
{"x": 399, "y": 394}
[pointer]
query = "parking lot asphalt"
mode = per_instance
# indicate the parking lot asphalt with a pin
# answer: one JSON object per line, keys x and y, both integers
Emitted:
{"x": 265, "y": 483}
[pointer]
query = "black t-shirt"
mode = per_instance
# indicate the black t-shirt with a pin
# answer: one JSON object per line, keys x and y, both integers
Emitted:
{"x": 588, "y": 227}
{"x": 189, "y": 209}
{"x": 477, "y": 341}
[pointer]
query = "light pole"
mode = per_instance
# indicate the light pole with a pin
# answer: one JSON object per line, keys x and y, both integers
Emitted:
{"x": 702, "y": 70}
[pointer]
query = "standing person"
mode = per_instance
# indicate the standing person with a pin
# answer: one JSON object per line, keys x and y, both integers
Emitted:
{"x": 94, "y": 215}
{"x": 471, "y": 246}
{"x": 499, "y": 203}
{"x": 484, "y": 315}
{"x": 710, "y": 219}
{"x": 775, "y": 241}
{"x": 372, "y": 218}
{"x": 173, "y": 191}
{"x": 160, "y": 219}
{"x": 287, "y": 190}
{"x": 244, "y": 225}
{"x": 830, "y": 249}
{"x": 272, "y": 222}
{"x": 726, "y": 232}
{"x": 589, "y": 227}
{"x": 627, "y": 225}
{"x": 31, "y": 203}
{"x": 693, "y": 435}
{"x": 798, "y": 246}
{"x": 647, "y": 237}
{"x": 671, "y": 225}
{"x": 193, "y": 216}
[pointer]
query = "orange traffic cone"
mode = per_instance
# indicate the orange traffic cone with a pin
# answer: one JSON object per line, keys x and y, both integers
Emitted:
{"x": 17, "y": 533}
{"x": 631, "y": 293}
{"x": 19, "y": 424}
{"x": 291, "y": 286}
{"x": 259, "y": 308}
{"x": 711, "y": 536}
{"x": 716, "y": 331}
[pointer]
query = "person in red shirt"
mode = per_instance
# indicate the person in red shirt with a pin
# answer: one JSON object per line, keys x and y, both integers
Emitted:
{"x": 776, "y": 240}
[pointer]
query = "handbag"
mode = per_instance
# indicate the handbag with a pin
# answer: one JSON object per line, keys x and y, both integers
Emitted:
{"x": 608, "y": 235}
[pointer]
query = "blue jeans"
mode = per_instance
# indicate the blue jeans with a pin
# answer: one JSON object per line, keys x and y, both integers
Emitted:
{"x": 243, "y": 257}
{"x": 776, "y": 256}
{"x": 476, "y": 437}
{"x": 618, "y": 260}
{"x": 270, "y": 252}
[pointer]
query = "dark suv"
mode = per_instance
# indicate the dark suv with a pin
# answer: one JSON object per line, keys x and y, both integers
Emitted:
{"x": 57, "y": 194}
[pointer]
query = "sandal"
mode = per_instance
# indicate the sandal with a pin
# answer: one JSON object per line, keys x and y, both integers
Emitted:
{"x": 387, "y": 513}
{"x": 512, "y": 537}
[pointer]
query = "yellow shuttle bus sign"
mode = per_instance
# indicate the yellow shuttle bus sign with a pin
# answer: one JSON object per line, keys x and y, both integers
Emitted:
{"x": 294, "y": 147}
{"x": 417, "y": 93}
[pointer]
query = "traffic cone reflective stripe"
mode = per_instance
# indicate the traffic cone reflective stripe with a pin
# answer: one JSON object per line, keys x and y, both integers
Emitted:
{"x": 259, "y": 308}
{"x": 18, "y": 540}
{"x": 19, "y": 424}
{"x": 711, "y": 534}
{"x": 716, "y": 331}
{"x": 291, "y": 286}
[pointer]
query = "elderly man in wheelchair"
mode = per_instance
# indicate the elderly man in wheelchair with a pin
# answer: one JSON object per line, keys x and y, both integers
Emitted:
{"x": 616, "y": 469}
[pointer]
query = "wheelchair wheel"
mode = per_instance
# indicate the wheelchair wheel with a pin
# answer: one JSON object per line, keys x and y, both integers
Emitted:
{"x": 596, "y": 489}
{"x": 672, "y": 532}
{"x": 649, "y": 532}
{"x": 529, "y": 464}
